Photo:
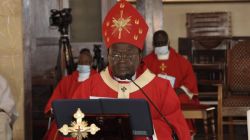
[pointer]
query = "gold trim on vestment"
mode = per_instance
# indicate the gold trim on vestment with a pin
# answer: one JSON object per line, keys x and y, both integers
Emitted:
{"x": 124, "y": 89}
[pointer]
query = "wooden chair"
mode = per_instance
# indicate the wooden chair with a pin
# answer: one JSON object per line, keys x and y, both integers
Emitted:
{"x": 234, "y": 98}
{"x": 203, "y": 112}
{"x": 248, "y": 124}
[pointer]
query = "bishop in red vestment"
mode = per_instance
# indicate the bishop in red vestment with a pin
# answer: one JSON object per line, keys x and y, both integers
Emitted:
{"x": 124, "y": 31}
{"x": 159, "y": 91}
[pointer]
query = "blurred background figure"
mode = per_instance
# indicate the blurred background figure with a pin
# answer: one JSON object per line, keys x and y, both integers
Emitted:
{"x": 8, "y": 112}
{"x": 69, "y": 84}
{"x": 168, "y": 64}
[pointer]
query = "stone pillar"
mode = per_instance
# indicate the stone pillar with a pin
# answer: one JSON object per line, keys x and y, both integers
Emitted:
{"x": 11, "y": 57}
{"x": 152, "y": 10}
{"x": 106, "y": 5}
{"x": 27, "y": 22}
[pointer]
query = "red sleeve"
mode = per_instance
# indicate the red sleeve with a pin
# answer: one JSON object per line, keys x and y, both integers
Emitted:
{"x": 93, "y": 72}
{"x": 57, "y": 94}
{"x": 172, "y": 111}
{"x": 189, "y": 80}
{"x": 149, "y": 61}
{"x": 83, "y": 91}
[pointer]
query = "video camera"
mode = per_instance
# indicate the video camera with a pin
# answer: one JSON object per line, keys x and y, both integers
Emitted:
{"x": 61, "y": 19}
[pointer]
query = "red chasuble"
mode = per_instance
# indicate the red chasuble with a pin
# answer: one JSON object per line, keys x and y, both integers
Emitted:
{"x": 158, "y": 89}
{"x": 178, "y": 67}
{"x": 64, "y": 90}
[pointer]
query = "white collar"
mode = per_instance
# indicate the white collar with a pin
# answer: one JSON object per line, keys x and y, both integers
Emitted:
{"x": 142, "y": 80}
{"x": 125, "y": 80}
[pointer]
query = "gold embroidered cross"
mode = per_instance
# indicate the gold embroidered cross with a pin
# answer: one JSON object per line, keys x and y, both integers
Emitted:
{"x": 121, "y": 24}
{"x": 79, "y": 129}
{"x": 163, "y": 67}
{"x": 123, "y": 89}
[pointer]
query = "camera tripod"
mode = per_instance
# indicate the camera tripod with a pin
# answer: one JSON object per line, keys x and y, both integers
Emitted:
{"x": 65, "y": 60}
{"x": 98, "y": 61}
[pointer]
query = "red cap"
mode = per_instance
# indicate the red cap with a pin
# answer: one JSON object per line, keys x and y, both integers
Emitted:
{"x": 124, "y": 24}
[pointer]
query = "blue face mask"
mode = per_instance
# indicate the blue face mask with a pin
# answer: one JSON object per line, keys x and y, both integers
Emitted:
{"x": 83, "y": 68}
{"x": 163, "y": 50}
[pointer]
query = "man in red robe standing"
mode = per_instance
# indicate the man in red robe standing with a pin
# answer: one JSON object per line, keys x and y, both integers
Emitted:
{"x": 124, "y": 31}
{"x": 67, "y": 86}
{"x": 168, "y": 64}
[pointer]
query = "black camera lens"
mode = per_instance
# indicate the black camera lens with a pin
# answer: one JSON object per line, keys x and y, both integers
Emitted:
{"x": 61, "y": 19}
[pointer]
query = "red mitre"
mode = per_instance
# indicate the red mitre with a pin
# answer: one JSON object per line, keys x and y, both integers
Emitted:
{"x": 123, "y": 24}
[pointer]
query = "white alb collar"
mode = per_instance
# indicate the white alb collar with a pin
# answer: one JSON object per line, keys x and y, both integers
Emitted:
{"x": 125, "y": 80}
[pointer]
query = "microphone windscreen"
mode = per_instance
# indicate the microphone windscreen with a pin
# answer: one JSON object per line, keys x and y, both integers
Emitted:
{"x": 129, "y": 76}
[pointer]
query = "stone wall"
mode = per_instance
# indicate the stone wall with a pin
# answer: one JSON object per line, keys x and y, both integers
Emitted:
{"x": 11, "y": 56}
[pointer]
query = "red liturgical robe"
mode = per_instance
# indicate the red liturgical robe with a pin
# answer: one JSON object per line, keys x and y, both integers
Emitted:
{"x": 64, "y": 90}
{"x": 175, "y": 66}
{"x": 158, "y": 89}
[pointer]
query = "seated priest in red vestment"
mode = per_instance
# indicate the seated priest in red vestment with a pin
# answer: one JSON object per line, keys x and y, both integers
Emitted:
{"x": 67, "y": 86}
{"x": 124, "y": 31}
{"x": 170, "y": 65}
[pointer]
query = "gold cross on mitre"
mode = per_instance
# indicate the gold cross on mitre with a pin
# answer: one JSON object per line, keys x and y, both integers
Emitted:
{"x": 121, "y": 24}
{"x": 163, "y": 66}
{"x": 79, "y": 129}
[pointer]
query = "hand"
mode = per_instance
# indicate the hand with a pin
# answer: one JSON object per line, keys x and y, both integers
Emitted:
{"x": 179, "y": 91}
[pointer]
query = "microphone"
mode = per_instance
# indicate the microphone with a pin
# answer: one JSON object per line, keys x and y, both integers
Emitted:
{"x": 174, "y": 135}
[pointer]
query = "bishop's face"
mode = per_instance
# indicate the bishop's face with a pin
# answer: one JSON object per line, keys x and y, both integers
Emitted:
{"x": 123, "y": 59}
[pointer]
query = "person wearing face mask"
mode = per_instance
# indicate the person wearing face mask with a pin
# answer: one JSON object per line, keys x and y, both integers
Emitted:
{"x": 168, "y": 64}
{"x": 84, "y": 65}
{"x": 69, "y": 84}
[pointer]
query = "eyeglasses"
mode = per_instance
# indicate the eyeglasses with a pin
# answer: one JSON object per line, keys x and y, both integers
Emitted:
{"x": 119, "y": 57}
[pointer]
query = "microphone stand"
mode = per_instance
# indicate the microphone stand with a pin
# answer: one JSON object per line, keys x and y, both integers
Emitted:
{"x": 174, "y": 135}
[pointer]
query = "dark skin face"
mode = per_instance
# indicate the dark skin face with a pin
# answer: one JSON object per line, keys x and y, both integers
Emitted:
{"x": 123, "y": 59}
{"x": 160, "y": 38}
{"x": 85, "y": 58}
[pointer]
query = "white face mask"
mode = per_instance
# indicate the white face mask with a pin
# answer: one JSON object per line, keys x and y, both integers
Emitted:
{"x": 163, "y": 50}
{"x": 83, "y": 68}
